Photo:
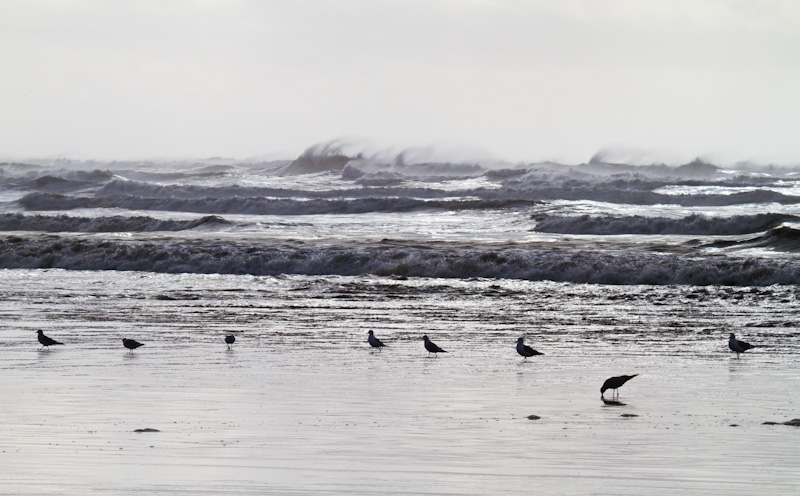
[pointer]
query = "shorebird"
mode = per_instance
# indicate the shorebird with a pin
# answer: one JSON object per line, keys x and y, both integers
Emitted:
{"x": 230, "y": 340}
{"x": 526, "y": 351}
{"x": 131, "y": 344}
{"x": 738, "y": 346}
{"x": 614, "y": 383}
{"x": 46, "y": 342}
{"x": 375, "y": 342}
{"x": 431, "y": 346}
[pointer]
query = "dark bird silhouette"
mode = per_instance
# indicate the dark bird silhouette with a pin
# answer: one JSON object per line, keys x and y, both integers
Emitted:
{"x": 131, "y": 344}
{"x": 526, "y": 351}
{"x": 431, "y": 346}
{"x": 734, "y": 344}
{"x": 374, "y": 342}
{"x": 230, "y": 340}
{"x": 615, "y": 382}
{"x": 46, "y": 341}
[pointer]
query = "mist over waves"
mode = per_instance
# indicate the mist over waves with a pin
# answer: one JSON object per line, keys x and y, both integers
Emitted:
{"x": 407, "y": 215}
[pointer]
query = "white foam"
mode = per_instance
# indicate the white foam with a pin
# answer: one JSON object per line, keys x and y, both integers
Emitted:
{"x": 395, "y": 260}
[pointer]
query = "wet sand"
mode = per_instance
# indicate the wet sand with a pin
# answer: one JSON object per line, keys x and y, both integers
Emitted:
{"x": 315, "y": 411}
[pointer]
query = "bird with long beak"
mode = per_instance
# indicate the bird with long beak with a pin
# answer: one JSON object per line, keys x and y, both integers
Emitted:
{"x": 614, "y": 383}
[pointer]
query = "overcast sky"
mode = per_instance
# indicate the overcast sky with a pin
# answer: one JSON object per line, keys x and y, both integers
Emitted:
{"x": 517, "y": 80}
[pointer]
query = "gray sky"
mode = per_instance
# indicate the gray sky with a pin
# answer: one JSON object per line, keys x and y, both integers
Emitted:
{"x": 518, "y": 80}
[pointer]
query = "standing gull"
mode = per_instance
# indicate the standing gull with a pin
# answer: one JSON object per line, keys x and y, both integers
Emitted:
{"x": 131, "y": 344}
{"x": 526, "y": 351}
{"x": 230, "y": 340}
{"x": 46, "y": 342}
{"x": 734, "y": 344}
{"x": 374, "y": 342}
{"x": 431, "y": 346}
{"x": 614, "y": 383}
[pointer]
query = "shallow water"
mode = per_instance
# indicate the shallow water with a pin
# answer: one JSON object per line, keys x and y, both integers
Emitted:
{"x": 301, "y": 405}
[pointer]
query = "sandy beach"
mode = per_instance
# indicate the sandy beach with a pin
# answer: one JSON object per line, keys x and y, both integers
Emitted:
{"x": 302, "y": 405}
{"x": 616, "y": 182}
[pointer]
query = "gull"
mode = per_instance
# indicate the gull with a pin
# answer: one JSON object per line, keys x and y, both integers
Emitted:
{"x": 131, "y": 344}
{"x": 526, "y": 351}
{"x": 46, "y": 341}
{"x": 614, "y": 383}
{"x": 738, "y": 346}
{"x": 230, "y": 339}
{"x": 431, "y": 346}
{"x": 374, "y": 342}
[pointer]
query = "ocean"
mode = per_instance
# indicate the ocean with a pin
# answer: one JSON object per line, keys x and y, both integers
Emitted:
{"x": 606, "y": 268}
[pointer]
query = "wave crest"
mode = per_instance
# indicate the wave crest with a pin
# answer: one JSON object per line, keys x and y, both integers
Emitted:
{"x": 263, "y": 206}
{"x": 783, "y": 238}
{"x": 691, "y": 225}
{"x": 64, "y": 223}
{"x": 393, "y": 260}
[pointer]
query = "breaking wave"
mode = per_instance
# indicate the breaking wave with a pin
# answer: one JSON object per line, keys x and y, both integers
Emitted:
{"x": 387, "y": 197}
{"x": 262, "y": 206}
{"x": 149, "y": 190}
{"x": 117, "y": 223}
{"x": 393, "y": 259}
{"x": 336, "y": 181}
{"x": 783, "y": 238}
{"x": 691, "y": 225}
